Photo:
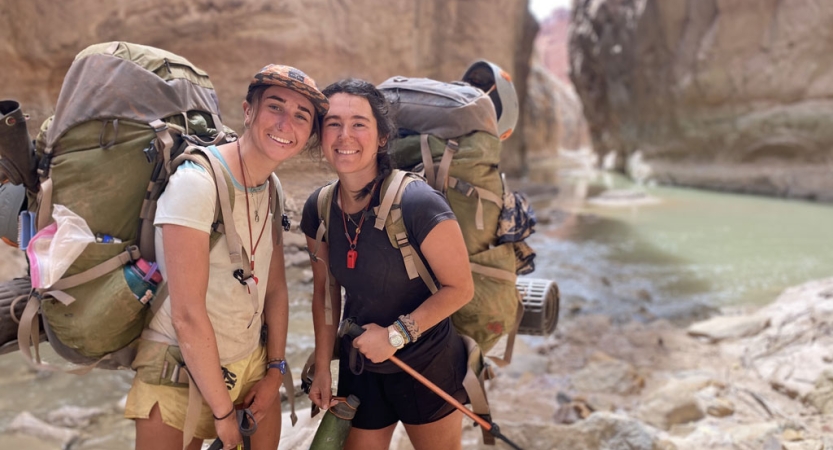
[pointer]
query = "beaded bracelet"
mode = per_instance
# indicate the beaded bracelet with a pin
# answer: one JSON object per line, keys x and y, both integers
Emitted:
{"x": 410, "y": 326}
{"x": 402, "y": 330}
{"x": 226, "y": 416}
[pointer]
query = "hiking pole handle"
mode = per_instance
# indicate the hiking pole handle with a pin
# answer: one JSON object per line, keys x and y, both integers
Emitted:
{"x": 348, "y": 327}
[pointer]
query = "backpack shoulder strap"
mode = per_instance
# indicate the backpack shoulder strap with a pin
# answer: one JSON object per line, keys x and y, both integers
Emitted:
{"x": 280, "y": 221}
{"x": 389, "y": 217}
{"x": 224, "y": 211}
{"x": 323, "y": 201}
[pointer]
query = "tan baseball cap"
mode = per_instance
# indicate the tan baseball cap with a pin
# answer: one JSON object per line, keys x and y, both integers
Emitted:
{"x": 291, "y": 78}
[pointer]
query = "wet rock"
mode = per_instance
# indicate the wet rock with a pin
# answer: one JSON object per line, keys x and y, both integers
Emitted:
{"x": 297, "y": 259}
{"x": 602, "y": 430}
{"x": 791, "y": 435}
{"x": 728, "y": 327}
{"x": 607, "y": 375}
{"x": 791, "y": 353}
{"x": 821, "y": 396}
{"x": 674, "y": 403}
{"x": 752, "y": 434}
{"x": 804, "y": 445}
{"x": 720, "y": 407}
{"x": 294, "y": 240}
{"x": 74, "y": 416}
{"x": 26, "y": 423}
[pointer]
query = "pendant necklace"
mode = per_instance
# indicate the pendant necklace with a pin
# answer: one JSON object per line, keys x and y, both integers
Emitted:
{"x": 252, "y": 246}
{"x": 260, "y": 198}
{"x": 352, "y": 254}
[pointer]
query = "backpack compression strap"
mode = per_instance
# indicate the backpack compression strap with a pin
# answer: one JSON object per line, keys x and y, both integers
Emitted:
{"x": 440, "y": 180}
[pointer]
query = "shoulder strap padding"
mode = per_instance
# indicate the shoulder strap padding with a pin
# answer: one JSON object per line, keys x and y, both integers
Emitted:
{"x": 389, "y": 215}
{"x": 323, "y": 201}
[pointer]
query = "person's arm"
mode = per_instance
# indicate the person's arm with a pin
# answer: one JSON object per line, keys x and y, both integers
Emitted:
{"x": 325, "y": 335}
{"x": 186, "y": 259}
{"x": 445, "y": 252}
{"x": 276, "y": 319}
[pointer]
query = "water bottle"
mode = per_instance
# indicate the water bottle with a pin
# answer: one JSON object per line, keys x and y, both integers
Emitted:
{"x": 334, "y": 427}
{"x": 142, "y": 278}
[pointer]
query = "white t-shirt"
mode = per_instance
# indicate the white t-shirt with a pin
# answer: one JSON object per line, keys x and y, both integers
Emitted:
{"x": 189, "y": 200}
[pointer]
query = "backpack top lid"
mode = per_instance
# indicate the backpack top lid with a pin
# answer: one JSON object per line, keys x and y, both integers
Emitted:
{"x": 445, "y": 110}
{"x": 129, "y": 81}
{"x": 494, "y": 81}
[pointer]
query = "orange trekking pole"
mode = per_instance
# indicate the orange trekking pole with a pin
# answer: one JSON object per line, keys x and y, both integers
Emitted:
{"x": 350, "y": 328}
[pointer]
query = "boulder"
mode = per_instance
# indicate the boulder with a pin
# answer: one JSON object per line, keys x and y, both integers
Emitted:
{"x": 728, "y": 327}
{"x": 607, "y": 375}
{"x": 675, "y": 402}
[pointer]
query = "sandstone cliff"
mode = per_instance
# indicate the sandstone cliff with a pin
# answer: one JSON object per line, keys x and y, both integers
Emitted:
{"x": 724, "y": 94}
{"x": 232, "y": 39}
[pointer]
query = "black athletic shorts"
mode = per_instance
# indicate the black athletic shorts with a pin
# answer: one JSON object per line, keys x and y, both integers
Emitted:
{"x": 388, "y": 398}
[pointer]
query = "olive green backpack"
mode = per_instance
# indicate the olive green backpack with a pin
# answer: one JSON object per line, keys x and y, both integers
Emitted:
{"x": 127, "y": 116}
{"x": 448, "y": 132}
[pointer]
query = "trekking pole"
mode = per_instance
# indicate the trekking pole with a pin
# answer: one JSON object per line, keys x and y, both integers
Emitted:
{"x": 350, "y": 328}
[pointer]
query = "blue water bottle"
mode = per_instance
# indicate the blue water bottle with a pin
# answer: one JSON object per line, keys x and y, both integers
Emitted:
{"x": 142, "y": 278}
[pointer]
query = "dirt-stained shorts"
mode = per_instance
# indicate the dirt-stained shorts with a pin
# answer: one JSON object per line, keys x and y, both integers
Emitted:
{"x": 240, "y": 377}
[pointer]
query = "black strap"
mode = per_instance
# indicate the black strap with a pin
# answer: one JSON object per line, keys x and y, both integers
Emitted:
{"x": 248, "y": 425}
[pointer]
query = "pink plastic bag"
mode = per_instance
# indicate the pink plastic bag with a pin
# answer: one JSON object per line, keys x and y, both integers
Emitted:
{"x": 53, "y": 249}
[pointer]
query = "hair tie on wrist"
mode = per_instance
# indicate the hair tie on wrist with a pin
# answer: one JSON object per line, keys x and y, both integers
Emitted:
{"x": 411, "y": 326}
{"x": 226, "y": 416}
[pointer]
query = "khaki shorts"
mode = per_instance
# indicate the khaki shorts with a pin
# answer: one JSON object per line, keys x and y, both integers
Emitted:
{"x": 173, "y": 401}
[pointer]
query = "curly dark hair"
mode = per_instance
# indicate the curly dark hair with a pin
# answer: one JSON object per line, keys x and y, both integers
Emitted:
{"x": 385, "y": 125}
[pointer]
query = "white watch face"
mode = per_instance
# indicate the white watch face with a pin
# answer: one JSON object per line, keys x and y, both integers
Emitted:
{"x": 395, "y": 339}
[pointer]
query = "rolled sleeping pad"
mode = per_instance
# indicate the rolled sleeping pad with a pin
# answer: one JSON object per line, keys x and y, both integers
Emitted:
{"x": 9, "y": 291}
{"x": 12, "y": 198}
{"x": 540, "y": 299}
{"x": 17, "y": 151}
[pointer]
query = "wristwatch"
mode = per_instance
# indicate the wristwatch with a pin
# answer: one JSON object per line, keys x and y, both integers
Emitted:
{"x": 395, "y": 338}
{"x": 279, "y": 364}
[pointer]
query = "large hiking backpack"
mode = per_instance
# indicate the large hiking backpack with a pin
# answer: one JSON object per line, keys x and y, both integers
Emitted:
{"x": 449, "y": 132}
{"x": 127, "y": 116}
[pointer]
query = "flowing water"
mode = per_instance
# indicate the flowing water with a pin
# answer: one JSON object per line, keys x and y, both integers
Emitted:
{"x": 648, "y": 252}
{"x": 675, "y": 252}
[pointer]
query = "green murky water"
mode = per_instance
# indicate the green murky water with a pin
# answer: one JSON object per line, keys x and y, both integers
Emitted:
{"x": 691, "y": 251}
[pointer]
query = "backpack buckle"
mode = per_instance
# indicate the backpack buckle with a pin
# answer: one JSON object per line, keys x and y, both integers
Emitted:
{"x": 160, "y": 128}
{"x": 150, "y": 152}
{"x": 238, "y": 275}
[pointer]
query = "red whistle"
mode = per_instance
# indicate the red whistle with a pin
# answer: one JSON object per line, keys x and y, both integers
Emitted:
{"x": 352, "y": 256}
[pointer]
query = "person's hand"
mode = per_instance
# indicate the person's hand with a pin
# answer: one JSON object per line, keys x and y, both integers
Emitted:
{"x": 263, "y": 395}
{"x": 321, "y": 391}
{"x": 374, "y": 344}
{"x": 228, "y": 431}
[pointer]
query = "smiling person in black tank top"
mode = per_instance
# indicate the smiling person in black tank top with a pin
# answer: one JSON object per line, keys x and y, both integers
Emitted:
{"x": 400, "y": 315}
